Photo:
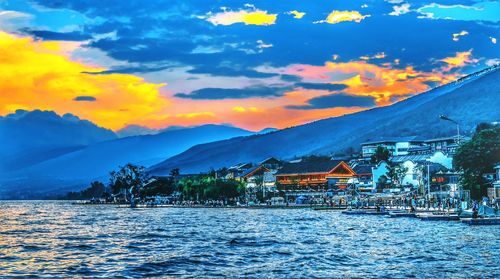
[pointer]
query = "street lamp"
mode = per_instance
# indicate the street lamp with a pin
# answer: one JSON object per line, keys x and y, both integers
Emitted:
{"x": 444, "y": 117}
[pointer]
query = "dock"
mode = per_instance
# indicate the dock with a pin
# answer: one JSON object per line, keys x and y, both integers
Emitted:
{"x": 481, "y": 221}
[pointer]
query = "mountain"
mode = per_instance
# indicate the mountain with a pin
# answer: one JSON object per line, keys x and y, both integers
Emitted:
{"x": 96, "y": 160}
{"x": 28, "y": 137}
{"x": 469, "y": 100}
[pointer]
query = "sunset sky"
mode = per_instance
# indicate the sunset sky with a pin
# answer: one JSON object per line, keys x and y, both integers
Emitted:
{"x": 251, "y": 64}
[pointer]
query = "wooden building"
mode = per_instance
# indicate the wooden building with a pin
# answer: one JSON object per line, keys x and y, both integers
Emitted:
{"x": 313, "y": 175}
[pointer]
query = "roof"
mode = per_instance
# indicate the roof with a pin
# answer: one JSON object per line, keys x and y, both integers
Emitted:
{"x": 413, "y": 158}
{"x": 270, "y": 160}
{"x": 394, "y": 140}
{"x": 361, "y": 169}
{"x": 452, "y": 138}
{"x": 252, "y": 170}
{"x": 308, "y": 167}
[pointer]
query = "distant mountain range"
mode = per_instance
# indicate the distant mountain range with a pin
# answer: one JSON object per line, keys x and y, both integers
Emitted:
{"x": 48, "y": 151}
{"x": 469, "y": 100}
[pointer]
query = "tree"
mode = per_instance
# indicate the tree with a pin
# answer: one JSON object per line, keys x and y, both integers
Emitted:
{"x": 381, "y": 154}
{"x": 477, "y": 157}
{"x": 129, "y": 180}
{"x": 397, "y": 173}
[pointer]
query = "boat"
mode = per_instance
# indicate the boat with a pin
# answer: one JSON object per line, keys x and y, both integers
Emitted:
{"x": 438, "y": 217}
{"x": 481, "y": 221}
{"x": 402, "y": 213}
{"x": 364, "y": 212}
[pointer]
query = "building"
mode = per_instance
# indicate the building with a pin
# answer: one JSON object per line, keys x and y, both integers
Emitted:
{"x": 254, "y": 176}
{"x": 235, "y": 172}
{"x": 396, "y": 146}
{"x": 363, "y": 177}
{"x": 308, "y": 174}
{"x": 446, "y": 145}
{"x": 494, "y": 191}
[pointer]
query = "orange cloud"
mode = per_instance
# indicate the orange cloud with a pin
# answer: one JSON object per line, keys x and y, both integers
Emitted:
{"x": 459, "y": 60}
{"x": 340, "y": 16}
{"x": 296, "y": 14}
{"x": 456, "y": 36}
{"x": 382, "y": 82}
{"x": 252, "y": 17}
{"x": 39, "y": 75}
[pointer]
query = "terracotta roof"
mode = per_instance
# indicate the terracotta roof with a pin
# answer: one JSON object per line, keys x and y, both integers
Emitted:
{"x": 308, "y": 167}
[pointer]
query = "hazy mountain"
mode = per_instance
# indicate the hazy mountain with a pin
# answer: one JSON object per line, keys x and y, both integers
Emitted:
{"x": 136, "y": 130}
{"x": 470, "y": 100}
{"x": 28, "y": 137}
{"x": 98, "y": 159}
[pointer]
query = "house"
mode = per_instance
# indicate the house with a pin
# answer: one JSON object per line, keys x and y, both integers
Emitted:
{"x": 494, "y": 191}
{"x": 271, "y": 163}
{"x": 363, "y": 177}
{"x": 305, "y": 174}
{"x": 396, "y": 146}
{"x": 235, "y": 172}
{"x": 254, "y": 176}
{"x": 447, "y": 145}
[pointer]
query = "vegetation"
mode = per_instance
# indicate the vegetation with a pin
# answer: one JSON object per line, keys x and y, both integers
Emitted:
{"x": 477, "y": 157}
{"x": 96, "y": 190}
{"x": 129, "y": 181}
{"x": 381, "y": 154}
{"x": 397, "y": 173}
{"x": 204, "y": 188}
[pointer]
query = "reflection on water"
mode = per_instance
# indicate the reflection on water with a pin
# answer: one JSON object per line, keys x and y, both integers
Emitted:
{"x": 60, "y": 239}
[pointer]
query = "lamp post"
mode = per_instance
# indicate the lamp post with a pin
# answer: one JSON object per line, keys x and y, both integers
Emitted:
{"x": 444, "y": 117}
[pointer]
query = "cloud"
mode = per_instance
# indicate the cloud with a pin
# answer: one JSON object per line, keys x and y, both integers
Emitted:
{"x": 261, "y": 44}
{"x": 459, "y": 60}
{"x": 230, "y": 72}
{"x": 341, "y": 16}
{"x": 378, "y": 55}
{"x": 248, "y": 17}
{"x": 47, "y": 79}
{"x": 400, "y": 10}
{"x": 58, "y": 36}
{"x": 456, "y": 36}
{"x": 296, "y": 14}
{"x": 322, "y": 86}
{"x": 335, "y": 101}
{"x": 84, "y": 99}
{"x": 492, "y": 62}
{"x": 482, "y": 11}
{"x": 13, "y": 20}
{"x": 493, "y": 40}
{"x": 234, "y": 93}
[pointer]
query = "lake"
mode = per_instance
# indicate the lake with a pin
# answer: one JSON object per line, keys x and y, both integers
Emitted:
{"x": 57, "y": 239}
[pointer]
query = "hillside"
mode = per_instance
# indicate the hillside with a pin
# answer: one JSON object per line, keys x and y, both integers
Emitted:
{"x": 29, "y": 137}
{"x": 470, "y": 100}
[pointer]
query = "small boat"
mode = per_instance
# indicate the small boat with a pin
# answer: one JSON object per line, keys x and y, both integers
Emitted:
{"x": 481, "y": 221}
{"x": 398, "y": 214}
{"x": 438, "y": 217}
{"x": 364, "y": 212}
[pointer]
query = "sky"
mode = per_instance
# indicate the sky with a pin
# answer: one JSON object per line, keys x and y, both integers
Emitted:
{"x": 250, "y": 64}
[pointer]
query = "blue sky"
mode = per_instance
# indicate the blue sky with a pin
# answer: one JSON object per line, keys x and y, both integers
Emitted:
{"x": 256, "y": 64}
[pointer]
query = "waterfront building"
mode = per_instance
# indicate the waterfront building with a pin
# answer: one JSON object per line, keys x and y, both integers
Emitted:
{"x": 363, "y": 174}
{"x": 235, "y": 172}
{"x": 396, "y": 146}
{"x": 494, "y": 191}
{"x": 254, "y": 176}
{"x": 446, "y": 145}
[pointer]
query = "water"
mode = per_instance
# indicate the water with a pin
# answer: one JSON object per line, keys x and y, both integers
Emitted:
{"x": 57, "y": 239}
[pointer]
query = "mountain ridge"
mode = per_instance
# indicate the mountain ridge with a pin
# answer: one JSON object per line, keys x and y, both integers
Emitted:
{"x": 414, "y": 115}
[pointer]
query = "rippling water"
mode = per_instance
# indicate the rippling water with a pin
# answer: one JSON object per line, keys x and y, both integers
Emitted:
{"x": 59, "y": 239}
